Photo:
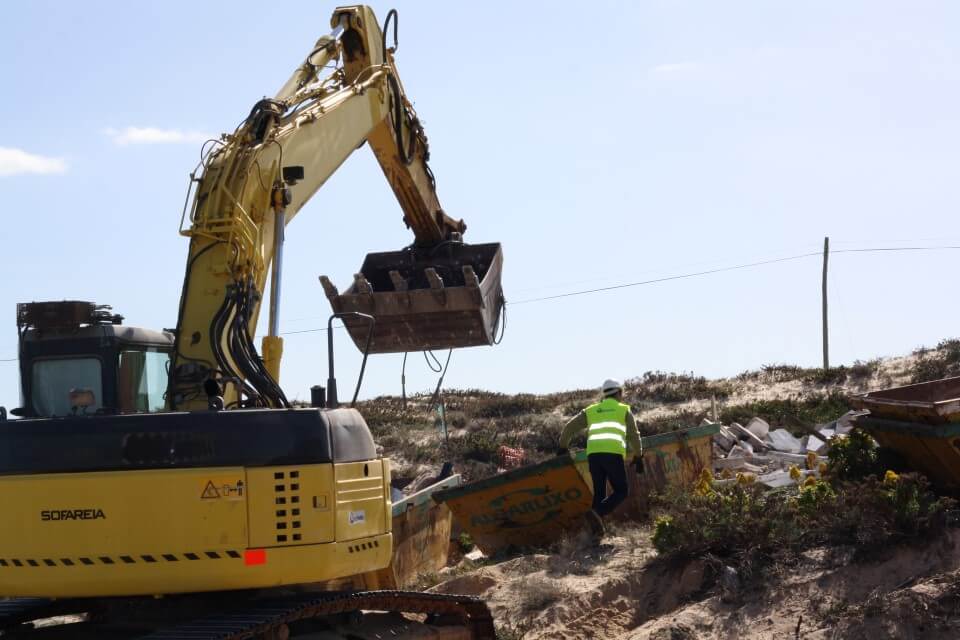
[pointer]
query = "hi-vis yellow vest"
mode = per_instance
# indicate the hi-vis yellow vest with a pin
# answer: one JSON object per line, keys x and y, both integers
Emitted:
{"x": 607, "y": 427}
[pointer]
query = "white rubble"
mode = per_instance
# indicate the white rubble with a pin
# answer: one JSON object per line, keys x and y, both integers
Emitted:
{"x": 741, "y": 432}
{"x": 817, "y": 445}
{"x": 736, "y": 464}
{"x": 782, "y": 478}
{"x": 776, "y": 479}
{"x": 758, "y": 427}
{"x": 741, "y": 450}
{"x": 475, "y": 555}
{"x": 724, "y": 438}
{"x": 783, "y": 440}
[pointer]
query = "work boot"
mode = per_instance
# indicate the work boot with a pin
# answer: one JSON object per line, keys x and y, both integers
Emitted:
{"x": 595, "y": 523}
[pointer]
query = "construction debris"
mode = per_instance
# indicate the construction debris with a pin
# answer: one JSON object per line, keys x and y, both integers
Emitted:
{"x": 783, "y": 440}
{"x": 767, "y": 454}
{"x": 758, "y": 427}
{"x": 748, "y": 436}
{"x": 725, "y": 439}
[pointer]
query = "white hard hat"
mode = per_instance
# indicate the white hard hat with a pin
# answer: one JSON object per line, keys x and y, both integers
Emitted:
{"x": 611, "y": 386}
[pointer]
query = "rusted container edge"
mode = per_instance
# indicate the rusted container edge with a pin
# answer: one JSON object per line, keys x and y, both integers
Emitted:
{"x": 932, "y": 402}
{"x": 917, "y": 429}
{"x": 502, "y": 479}
{"x": 660, "y": 439}
{"x": 425, "y": 495}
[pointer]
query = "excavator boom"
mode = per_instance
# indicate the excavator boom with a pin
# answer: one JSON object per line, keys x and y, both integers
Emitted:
{"x": 436, "y": 293}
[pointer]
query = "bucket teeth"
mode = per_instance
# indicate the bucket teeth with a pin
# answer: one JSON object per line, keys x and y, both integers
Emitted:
{"x": 436, "y": 282}
{"x": 399, "y": 284}
{"x": 361, "y": 283}
{"x": 470, "y": 278}
{"x": 424, "y": 298}
{"x": 329, "y": 288}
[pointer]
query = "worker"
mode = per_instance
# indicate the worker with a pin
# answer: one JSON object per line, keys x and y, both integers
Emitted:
{"x": 612, "y": 439}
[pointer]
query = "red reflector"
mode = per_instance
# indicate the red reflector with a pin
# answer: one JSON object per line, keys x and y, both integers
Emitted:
{"x": 254, "y": 556}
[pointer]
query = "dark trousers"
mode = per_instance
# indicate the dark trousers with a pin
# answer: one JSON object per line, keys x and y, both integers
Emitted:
{"x": 607, "y": 467}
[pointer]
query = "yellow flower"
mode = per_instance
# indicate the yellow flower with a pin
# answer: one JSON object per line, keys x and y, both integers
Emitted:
{"x": 746, "y": 478}
{"x": 810, "y": 481}
{"x": 726, "y": 474}
{"x": 705, "y": 482}
{"x": 822, "y": 468}
{"x": 811, "y": 460}
{"x": 890, "y": 477}
{"x": 795, "y": 473}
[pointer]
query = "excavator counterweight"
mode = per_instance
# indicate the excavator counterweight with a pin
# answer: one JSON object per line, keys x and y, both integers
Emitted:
{"x": 447, "y": 297}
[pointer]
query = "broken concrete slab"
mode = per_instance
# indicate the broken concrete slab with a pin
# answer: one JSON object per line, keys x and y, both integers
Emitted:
{"x": 742, "y": 449}
{"x": 736, "y": 464}
{"x": 780, "y": 478}
{"x": 788, "y": 459}
{"x": 758, "y": 427}
{"x": 747, "y": 436}
{"x": 725, "y": 439}
{"x": 816, "y": 445}
{"x": 783, "y": 440}
{"x": 475, "y": 555}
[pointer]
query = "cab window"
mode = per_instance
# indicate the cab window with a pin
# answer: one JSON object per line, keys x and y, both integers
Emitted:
{"x": 142, "y": 381}
{"x": 53, "y": 380}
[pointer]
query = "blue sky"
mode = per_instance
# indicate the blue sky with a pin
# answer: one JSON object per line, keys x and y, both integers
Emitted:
{"x": 601, "y": 143}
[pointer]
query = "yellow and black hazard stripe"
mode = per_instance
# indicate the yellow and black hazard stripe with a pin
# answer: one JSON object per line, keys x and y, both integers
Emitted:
{"x": 123, "y": 559}
{"x": 366, "y": 546}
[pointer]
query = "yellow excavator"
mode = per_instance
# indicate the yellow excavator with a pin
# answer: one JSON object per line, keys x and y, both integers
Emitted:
{"x": 170, "y": 463}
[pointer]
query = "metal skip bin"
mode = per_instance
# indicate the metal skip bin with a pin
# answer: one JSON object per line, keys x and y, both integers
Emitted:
{"x": 921, "y": 422}
{"x": 445, "y": 297}
{"x": 529, "y": 506}
{"x": 673, "y": 458}
{"x": 421, "y": 536}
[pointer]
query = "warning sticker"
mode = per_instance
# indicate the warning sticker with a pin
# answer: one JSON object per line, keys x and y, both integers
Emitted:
{"x": 356, "y": 517}
{"x": 223, "y": 489}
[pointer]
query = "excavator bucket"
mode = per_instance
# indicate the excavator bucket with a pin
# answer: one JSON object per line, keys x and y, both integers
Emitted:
{"x": 445, "y": 297}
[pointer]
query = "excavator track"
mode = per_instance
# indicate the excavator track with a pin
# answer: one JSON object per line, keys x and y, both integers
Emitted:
{"x": 20, "y": 610}
{"x": 257, "y": 619}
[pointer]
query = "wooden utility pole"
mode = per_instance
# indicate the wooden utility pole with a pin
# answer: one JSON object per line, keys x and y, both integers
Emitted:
{"x": 826, "y": 340}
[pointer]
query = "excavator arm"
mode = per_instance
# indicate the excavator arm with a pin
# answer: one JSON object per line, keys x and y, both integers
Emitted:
{"x": 253, "y": 182}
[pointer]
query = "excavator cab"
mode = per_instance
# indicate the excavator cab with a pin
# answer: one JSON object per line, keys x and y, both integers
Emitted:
{"x": 77, "y": 358}
{"x": 444, "y": 297}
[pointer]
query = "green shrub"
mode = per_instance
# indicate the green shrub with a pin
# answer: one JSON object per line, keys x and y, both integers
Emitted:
{"x": 868, "y": 369}
{"x": 731, "y": 521}
{"x": 666, "y": 535}
{"x": 502, "y": 406}
{"x": 465, "y": 540}
{"x": 481, "y": 446}
{"x": 674, "y": 387}
{"x": 750, "y": 525}
{"x": 831, "y": 375}
{"x": 853, "y": 457}
{"x": 672, "y": 422}
{"x": 813, "y": 497}
{"x": 814, "y": 410}
{"x": 942, "y": 362}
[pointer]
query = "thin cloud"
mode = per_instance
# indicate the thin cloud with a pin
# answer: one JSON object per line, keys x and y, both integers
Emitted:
{"x": 675, "y": 67}
{"x": 17, "y": 161}
{"x": 153, "y": 135}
